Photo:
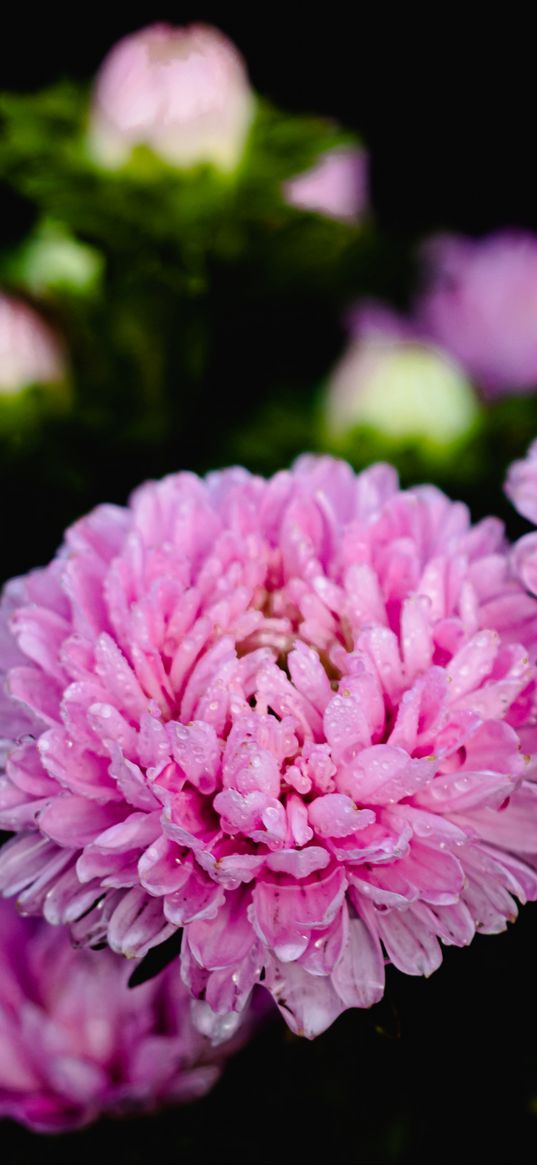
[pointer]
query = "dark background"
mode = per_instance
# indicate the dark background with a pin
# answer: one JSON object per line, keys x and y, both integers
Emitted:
{"x": 443, "y": 1070}
{"x": 448, "y": 109}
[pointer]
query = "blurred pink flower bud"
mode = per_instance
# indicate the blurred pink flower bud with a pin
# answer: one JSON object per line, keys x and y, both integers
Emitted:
{"x": 30, "y": 353}
{"x": 184, "y": 92}
{"x": 337, "y": 186}
{"x": 480, "y": 303}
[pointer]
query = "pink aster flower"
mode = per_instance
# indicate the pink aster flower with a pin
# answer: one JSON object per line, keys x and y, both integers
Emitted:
{"x": 480, "y": 303}
{"x": 182, "y": 91}
{"x": 337, "y": 186}
{"x": 30, "y": 353}
{"x": 76, "y": 1043}
{"x": 294, "y": 717}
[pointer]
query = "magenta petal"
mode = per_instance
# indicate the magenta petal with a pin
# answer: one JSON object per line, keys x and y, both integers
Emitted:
{"x": 298, "y": 863}
{"x": 309, "y": 1004}
{"x": 118, "y": 844}
{"x": 326, "y": 945}
{"x": 196, "y": 750}
{"x": 283, "y": 913}
{"x": 410, "y": 943}
{"x": 462, "y": 791}
{"x": 513, "y": 827}
{"x": 131, "y": 782}
{"x": 118, "y": 678}
{"x": 40, "y": 634}
{"x": 162, "y": 867}
{"x": 26, "y": 772}
{"x": 336, "y": 815}
{"x": 29, "y": 860}
{"x": 137, "y": 924}
{"x": 358, "y": 976}
{"x": 226, "y": 939}
{"x": 198, "y": 898}
{"x": 67, "y": 900}
{"x": 230, "y": 989}
{"x": 75, "y": 768}
{"x": 18, "y": 811}
{"x": 384, "y": 774}
{"x": 40, "y": 693}
{"x": 73, "y": 821}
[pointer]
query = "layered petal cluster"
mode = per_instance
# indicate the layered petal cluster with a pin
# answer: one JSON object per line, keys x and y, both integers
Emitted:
{"x": 182, "y": 91}
{"x": 294, "y": 717}
{"x": 76, "y": 1043}
{"x": 480, "y": 303}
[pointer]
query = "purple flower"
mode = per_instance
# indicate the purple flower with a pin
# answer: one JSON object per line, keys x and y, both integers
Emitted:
{"x": 480, "y": 304}
{"x": 76, "y": 1043}
{"x": 295, "y": 717}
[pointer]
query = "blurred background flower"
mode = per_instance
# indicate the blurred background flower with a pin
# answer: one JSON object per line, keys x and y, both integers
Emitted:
{"x": 336, "y": 186}
{"x": 399, "y": 388}
{"x": 52, "y": 261}
{"x": 33, "y": 368}
{"x": 30, "y": 353}
{"x": 76, "y": 1043}
{"x": 480, "y": 303}
{"x": 184, "y": 92}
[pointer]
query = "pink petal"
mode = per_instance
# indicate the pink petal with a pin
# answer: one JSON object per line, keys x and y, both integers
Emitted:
{"x": 226, "y": 940}
{"x": 409, "y": 941}
{"x": 74, "y": 821}
{"x": 383, "y": 774}
{"x": 309, "y": 1003}
{"x": 358, "y": 976}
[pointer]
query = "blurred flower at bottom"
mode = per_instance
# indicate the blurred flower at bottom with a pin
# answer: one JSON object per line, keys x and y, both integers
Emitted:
{"x": 76, "y": 1043}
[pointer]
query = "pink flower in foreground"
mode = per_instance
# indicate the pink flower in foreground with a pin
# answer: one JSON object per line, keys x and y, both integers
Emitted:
{"x": 480, "y": 303}
{"x": 294, "y": 717}
{"x": 30, "y": 353}
{"x": 182, "y": 91}
{"x": 337, "y": 186}
{"x": 76, "y": 1043}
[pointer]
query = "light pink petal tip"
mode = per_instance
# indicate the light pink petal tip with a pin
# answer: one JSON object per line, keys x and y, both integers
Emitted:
{"x": 294, "y": 717}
